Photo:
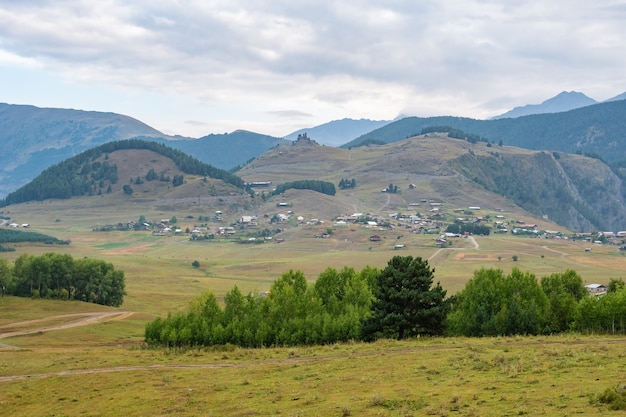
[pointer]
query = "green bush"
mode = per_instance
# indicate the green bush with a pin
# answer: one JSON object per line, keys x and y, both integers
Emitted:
{"x": 615, "y": 398}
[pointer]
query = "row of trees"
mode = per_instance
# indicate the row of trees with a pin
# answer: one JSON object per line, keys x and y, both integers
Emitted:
{"x": 292, "y": 313}
{"x": 472, "y": 228}
{"x": 399, "y": 301}
{"x": 454, "y": 133}
{"x": 493, "y": 303}
{"x": 15, "y": 236}
{"x": 323, "y": 187}
{"x": 606, "y": 314}
{"x": 10, "y": 235}
{"x": 60, "y": 276}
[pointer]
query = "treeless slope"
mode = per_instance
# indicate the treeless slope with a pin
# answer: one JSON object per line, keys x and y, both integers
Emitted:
{"x": 420, "y": 168}
{"x": 580, "y": 193}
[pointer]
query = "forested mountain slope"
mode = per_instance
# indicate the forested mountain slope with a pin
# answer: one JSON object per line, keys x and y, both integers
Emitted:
{"x": 598, "y": 130}
{"x": 34, "y": 138}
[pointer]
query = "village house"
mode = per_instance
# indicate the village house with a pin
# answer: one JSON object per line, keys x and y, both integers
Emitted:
{"x": 246, "y": 219}
{"x": 348, "y": 219}
{"x": 225, "y": 231}
{"x": 596, "y": 289}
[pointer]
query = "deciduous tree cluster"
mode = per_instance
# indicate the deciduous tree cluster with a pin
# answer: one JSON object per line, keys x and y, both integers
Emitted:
{"x": 60, "y": 276}
{"x": 399, "y": 301}
{"x": 496, "y": 304}
{"x": 472, "y": 228}
{"x": 323, "y": 187}
{"x": 292, "y": 313}
{"x": 340, "y": 306}
{"x": 346, "y": 183}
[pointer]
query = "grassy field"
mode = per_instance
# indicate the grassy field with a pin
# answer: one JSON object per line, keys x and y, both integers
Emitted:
{"x": 101, "y": 368}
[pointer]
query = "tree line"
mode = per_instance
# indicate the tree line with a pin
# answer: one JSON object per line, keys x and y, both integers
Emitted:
{"x": 472, "y": 228}
{"x": 292, "y": 313}
{"x": 323, "y": 187}
{"x": 16, "y": 236}
{"x": 59, "y": 276}
{"x": 454, "y": 133}
{"x": 399, "y": 301}
{"x": 83, "y": 175}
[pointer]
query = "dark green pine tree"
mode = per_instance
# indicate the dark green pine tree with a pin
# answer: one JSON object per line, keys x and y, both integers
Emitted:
{"x": 406, "y": 302}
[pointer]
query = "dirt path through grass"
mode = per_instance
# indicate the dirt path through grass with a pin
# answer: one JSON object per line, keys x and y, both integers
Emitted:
{"x": 60, "y": 322}
{"x": 386, "y": 203}
{"x": 300, "y": 360}
{"x": 438, "y": 251}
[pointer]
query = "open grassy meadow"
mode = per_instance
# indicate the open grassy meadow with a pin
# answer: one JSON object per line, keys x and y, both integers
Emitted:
{"x": 75, "y": 359}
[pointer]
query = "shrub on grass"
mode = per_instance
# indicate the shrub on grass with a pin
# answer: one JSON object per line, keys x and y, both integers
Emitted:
{"x": 615, "y": 398}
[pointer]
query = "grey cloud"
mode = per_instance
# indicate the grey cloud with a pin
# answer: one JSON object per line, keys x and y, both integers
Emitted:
{"x": 196, "y": 123}
{"x": 221, "y": 49}
{"x": 290, "y": 114}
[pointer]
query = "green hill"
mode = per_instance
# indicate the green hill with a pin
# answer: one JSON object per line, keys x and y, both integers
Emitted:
{"x": 228, "y": 150}
{"x": 36, "y": 138}
{"x": 91, "y": 173}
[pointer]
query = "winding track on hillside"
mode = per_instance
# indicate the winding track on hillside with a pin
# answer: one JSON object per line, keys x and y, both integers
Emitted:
{"x": 386, "y": 203}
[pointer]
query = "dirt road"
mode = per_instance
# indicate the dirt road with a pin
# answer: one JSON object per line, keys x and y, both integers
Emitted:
{"x": 73, "y": 320}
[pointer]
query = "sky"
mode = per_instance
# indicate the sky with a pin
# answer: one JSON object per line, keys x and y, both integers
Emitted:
{"x": 194, "y": 67}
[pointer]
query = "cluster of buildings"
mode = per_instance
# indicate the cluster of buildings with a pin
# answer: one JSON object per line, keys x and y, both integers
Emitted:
{"x": 16, "y": 225}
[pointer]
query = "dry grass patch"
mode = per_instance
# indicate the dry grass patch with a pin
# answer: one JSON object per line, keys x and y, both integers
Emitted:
{"x": 486, "y": 377}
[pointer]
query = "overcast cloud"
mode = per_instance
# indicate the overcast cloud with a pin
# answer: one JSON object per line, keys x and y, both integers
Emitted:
{"x": 194, "y": 67}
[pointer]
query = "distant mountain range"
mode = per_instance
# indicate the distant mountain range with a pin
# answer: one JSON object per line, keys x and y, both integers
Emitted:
{"x": 35, "y": 138}
{"x": 227, "y": 150}
{"x": 598, "y": 130}
{"x": 617, "y": 98}
{"x": 564, "y": 101}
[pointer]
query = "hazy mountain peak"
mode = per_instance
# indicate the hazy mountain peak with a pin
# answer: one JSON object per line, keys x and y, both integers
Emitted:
{"x": 564, "y": 101}
{"x": 617, "y": 98}
{"x": 338, "y": 132}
